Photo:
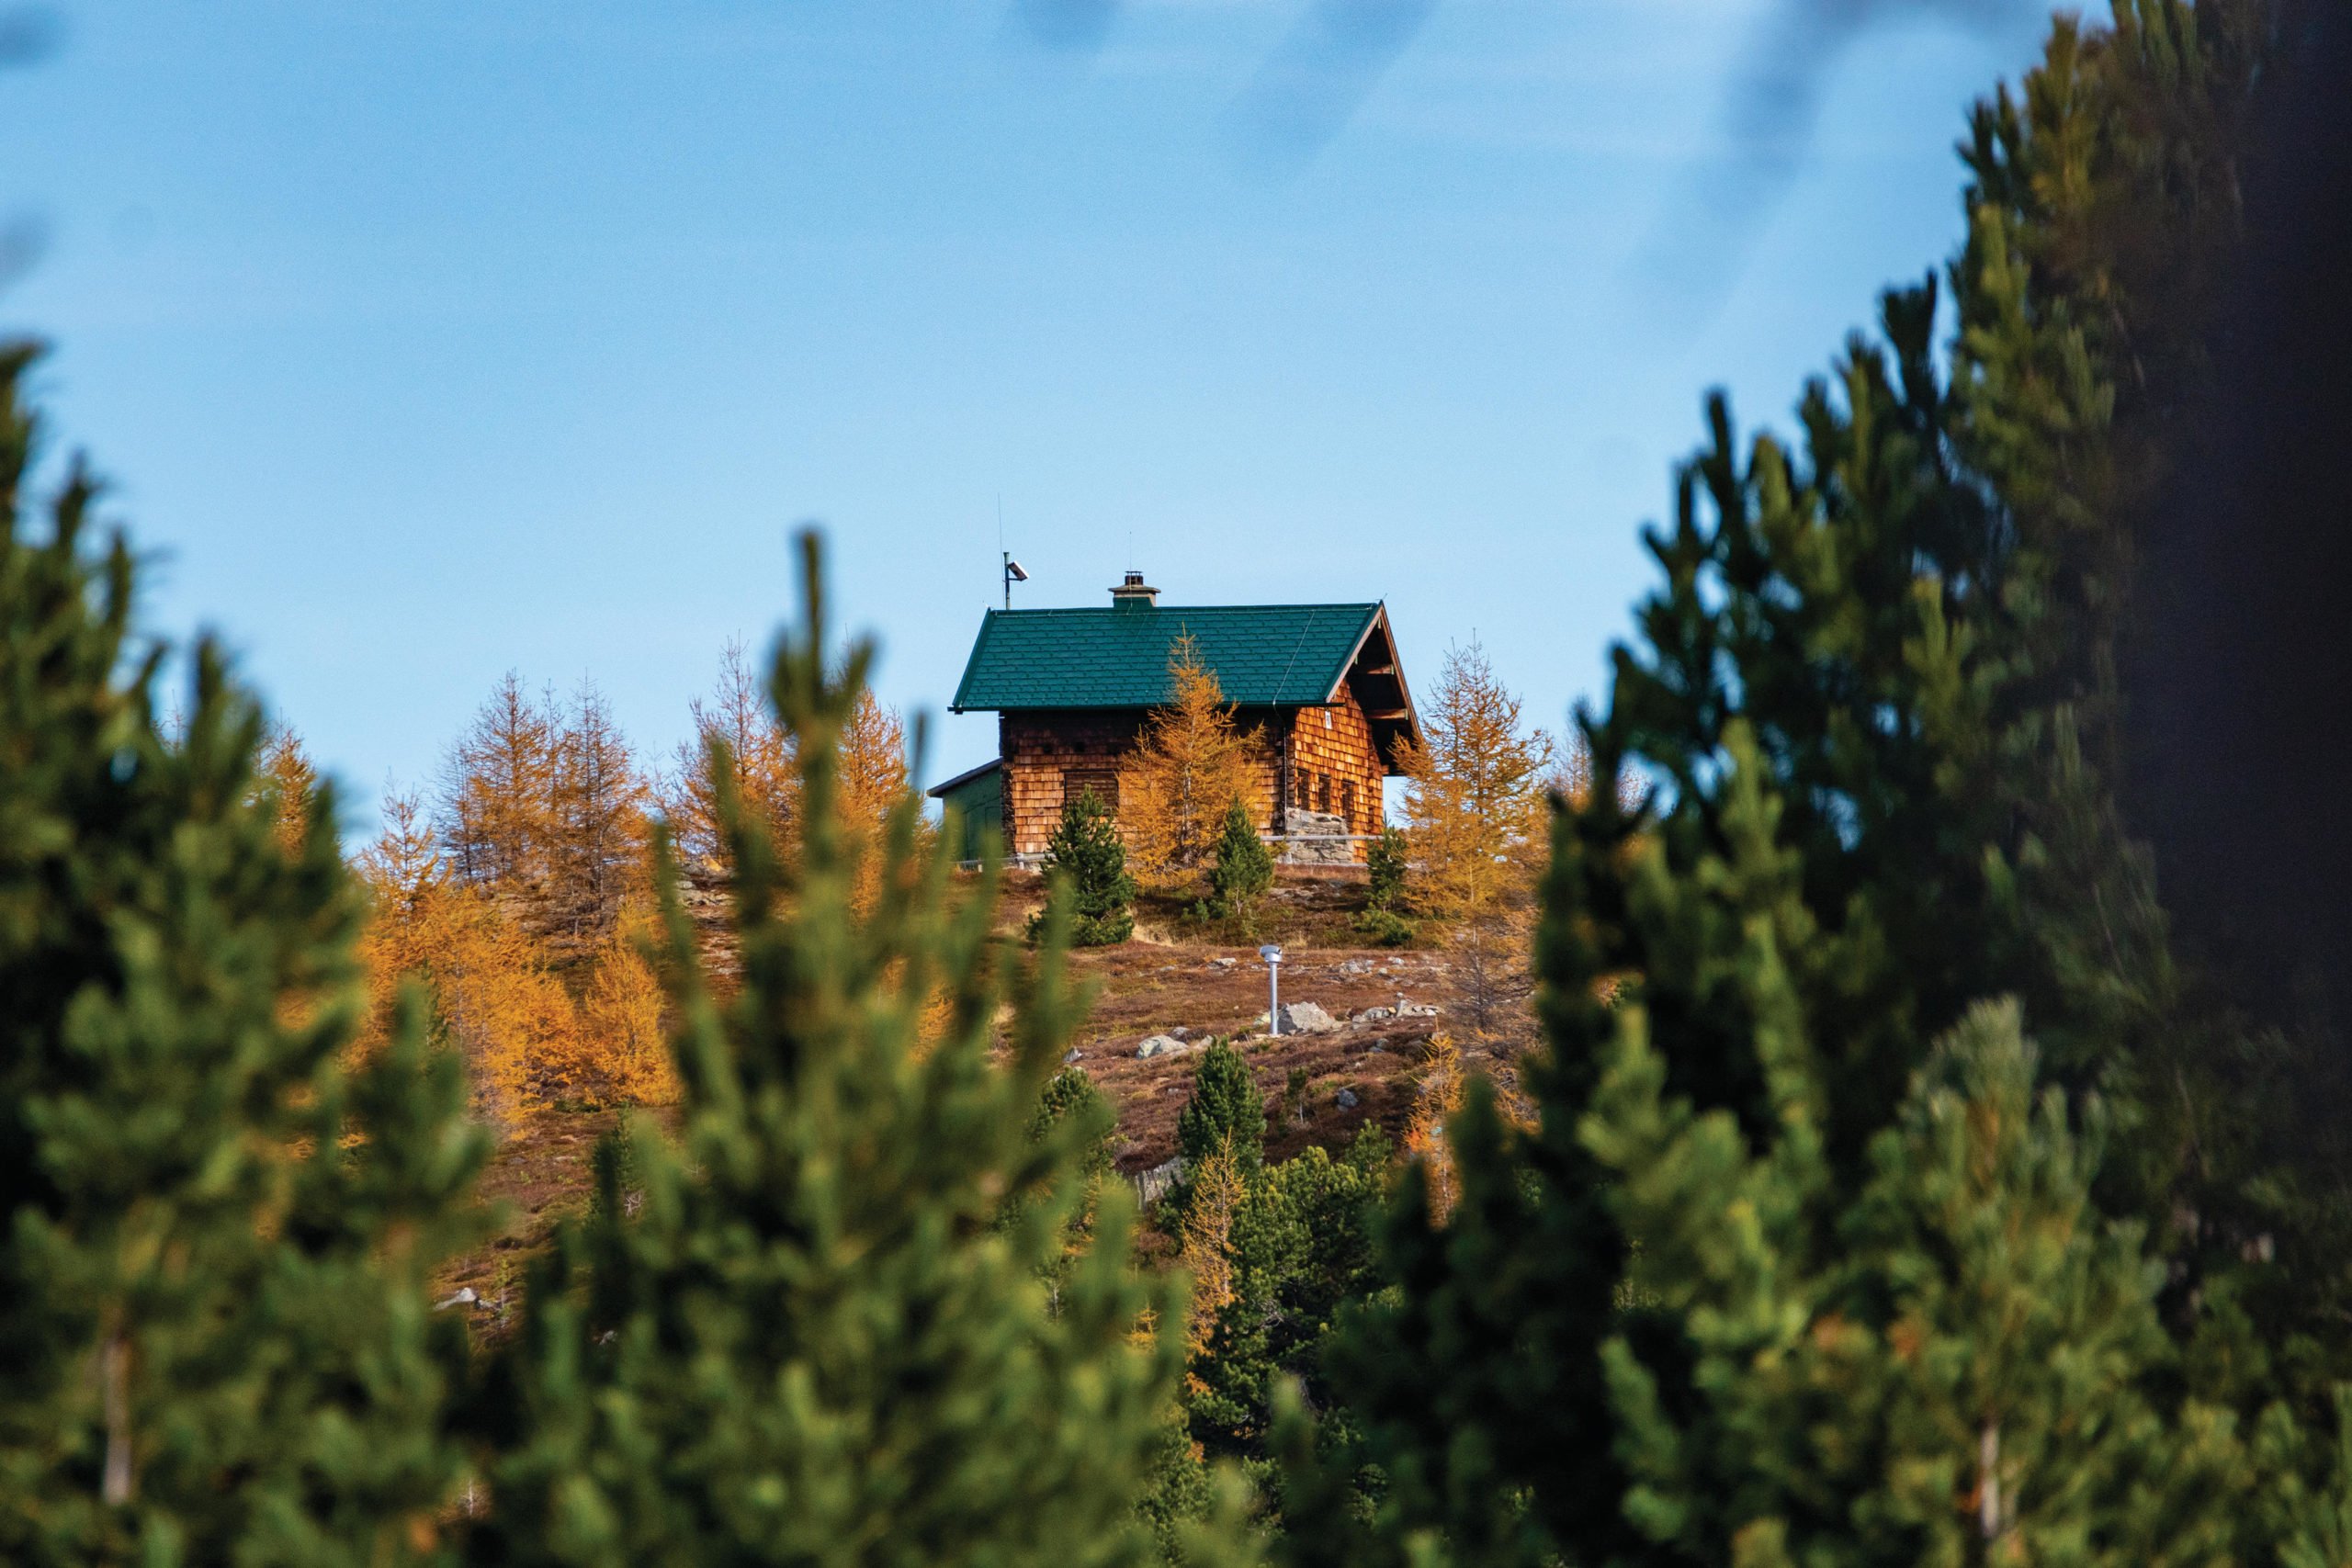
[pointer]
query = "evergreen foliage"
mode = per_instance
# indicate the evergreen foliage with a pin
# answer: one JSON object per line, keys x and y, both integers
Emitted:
{"x": 1299, "y": 1250}
{"x": 214, "y": 1342}
{"x": 1072, "y": 1107}
{"x": 1071, "y": 1113}
{"x": 1085, "y": 849}
{"x": 1386, "y": 861}
{"x": 1964, "y": 1368}
{"x": 1226, "y": 1110}
{"x": 1730, "y": 1299}
{"x": 815, "y": 1343}
{"x": 1244, "y": 868}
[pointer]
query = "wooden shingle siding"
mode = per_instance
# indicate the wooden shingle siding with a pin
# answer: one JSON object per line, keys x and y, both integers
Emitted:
{"x": 1038, "y": 747}
{"x": 1050, "y": 754}
{"x": 1332, "y": 765}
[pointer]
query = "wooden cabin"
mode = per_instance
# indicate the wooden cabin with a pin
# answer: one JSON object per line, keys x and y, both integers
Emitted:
{"x": 1318, "y": 684}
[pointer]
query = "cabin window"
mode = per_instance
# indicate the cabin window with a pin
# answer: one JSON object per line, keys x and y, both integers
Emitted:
{"x": 1323, "y": 793}
{"x": 1299, "y": 784}
{"x": 1104, "y": 782}
{"x": 1348, "y": 803}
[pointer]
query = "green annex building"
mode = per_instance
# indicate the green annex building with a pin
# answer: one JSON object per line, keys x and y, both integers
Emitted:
{"x": 975, "y": 807}
{"x": 1318, "y": 684}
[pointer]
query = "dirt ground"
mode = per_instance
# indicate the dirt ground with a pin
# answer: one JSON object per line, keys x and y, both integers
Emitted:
{"x": 1204, "y": 978}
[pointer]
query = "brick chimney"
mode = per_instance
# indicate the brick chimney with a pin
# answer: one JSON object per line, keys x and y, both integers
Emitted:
{"x": 1134, "y": 591}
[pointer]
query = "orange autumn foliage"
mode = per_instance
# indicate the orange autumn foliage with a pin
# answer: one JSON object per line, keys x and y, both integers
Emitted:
{"x": 873, "y": 782}
{"x": 874, "y": 776}
{"x": 524, "y": 910}
{"x": 623, "y": 1017}
{"x": 1439, "y": 1089}
{"x": 288, "y": 780}
{"x": 493, "y": 999}
{"x": 1193, "y": 762}
{"x": 498, "y": 793}
{"x": 758, "y": 758}
{"x": 597, "y": 829}
{"x": 1218, "y": 1192}
{"x": 496, "y": 998}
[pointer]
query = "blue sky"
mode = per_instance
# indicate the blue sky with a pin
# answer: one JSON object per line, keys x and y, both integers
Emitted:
{"x": 429, "y": 340}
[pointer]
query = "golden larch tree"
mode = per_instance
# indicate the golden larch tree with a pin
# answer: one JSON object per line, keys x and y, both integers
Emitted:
{"x": 406, "y": 877}
{"x": 493, "y": 998}
{"x": 1193, "y": 762}
{"x": 597, "y": 829}
{"x": 623, "y": 1016}
{"x": 288, "y": 778}
{"x": 1474, "y": 788}
{"x": 1477, "y": 788}
{"x": 506, "y": 1011}
{"x": 1438, "y": 1086}
{"x": 874, "y": 777}
{"x": 1218, "y": 1190}
{"x": 498, "y": 795}
{"x": 759, "y": 760}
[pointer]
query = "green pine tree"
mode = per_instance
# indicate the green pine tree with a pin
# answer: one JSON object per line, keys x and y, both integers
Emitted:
{"x": 1225, "y": 1105}
{"x": 1085, "y": 851}
{"x": 814, "y": 1342}
{"x": 1874, "y": 692}
{"x": 1380, "y": 920}
{"x": 1960, "y": 1373}
{"x": 1071, "y": 1111}
{"x": 1302, "y": 1252}
{"x": 215, "y": 1340}
{"x": 1386, "y": 864}
{"x": 1244, "y": 868}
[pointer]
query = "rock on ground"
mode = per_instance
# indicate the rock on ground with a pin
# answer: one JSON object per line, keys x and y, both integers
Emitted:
{"x": 1152, "y": 1185}
{"x": 1306, "y": 1017}
{"x": 1159, "y": 1045}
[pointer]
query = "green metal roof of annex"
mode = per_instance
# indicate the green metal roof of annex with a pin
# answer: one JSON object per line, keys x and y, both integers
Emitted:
{"x": 1117, "y": 656}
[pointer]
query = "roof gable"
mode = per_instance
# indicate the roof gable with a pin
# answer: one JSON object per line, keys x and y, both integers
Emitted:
{"x": 1264, "y": 655}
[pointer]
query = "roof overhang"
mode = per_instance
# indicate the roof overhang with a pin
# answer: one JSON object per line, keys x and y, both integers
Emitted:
{"x": 1391, "y": 714}
{"x": 939, "y": 791}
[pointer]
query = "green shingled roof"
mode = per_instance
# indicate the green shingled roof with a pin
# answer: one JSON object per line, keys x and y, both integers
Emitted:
{"x": 1117, "y": 656}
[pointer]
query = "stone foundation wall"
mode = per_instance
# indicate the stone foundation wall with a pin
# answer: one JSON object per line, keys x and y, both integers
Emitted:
{"x": 1313, "y": 838}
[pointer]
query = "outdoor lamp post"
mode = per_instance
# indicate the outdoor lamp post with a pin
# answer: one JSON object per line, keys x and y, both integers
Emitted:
{"x": 1273, "y": 957}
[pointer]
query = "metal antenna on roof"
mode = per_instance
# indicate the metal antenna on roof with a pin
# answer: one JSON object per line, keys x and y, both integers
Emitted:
{"x": 1012, "y": 572}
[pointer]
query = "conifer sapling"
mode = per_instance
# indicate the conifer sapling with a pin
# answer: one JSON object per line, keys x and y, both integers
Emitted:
{"x": 1244, "y": 868}
{"x": 1085, "y": 851}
